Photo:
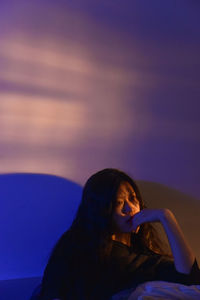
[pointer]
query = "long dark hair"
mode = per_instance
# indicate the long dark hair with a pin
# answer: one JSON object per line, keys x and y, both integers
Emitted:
{"x": 88, "y": 242}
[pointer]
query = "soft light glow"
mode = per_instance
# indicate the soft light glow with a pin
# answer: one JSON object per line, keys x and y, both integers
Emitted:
{"x": 61, "y": 102}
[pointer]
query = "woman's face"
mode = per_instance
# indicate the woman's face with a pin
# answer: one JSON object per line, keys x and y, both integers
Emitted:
{"x": 126, "y": 206}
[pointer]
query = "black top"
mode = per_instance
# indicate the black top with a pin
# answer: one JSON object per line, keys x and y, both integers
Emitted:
{"x": 126, "y": 269}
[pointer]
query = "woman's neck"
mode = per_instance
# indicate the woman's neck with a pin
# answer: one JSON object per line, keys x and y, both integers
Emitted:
{"x": 124, "y": 238}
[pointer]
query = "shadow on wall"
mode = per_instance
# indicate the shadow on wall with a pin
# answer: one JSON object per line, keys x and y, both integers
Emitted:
{"x": 185, "y": 208}
{"x": 35, "y": 210}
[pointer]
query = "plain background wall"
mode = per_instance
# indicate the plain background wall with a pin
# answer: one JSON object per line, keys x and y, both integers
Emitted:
{"x": 86, "y": 85}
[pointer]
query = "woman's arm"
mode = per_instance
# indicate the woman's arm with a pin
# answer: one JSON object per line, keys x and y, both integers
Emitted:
{"x": 183, "y": 255}
{"x": 182, "y": 252}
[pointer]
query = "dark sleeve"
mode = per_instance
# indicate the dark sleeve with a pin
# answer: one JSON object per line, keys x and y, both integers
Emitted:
{"x": 130, "y": 270}
{"x": 165, "y": 270}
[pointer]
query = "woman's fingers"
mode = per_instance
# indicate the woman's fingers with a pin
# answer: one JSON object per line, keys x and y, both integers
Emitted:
{"x": 136, "y": 221}
{"x": 146, "y": 215}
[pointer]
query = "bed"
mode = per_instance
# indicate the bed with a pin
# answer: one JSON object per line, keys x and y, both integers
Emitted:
{"x": 152, "y": 290}
{"x": 160, "y": 290}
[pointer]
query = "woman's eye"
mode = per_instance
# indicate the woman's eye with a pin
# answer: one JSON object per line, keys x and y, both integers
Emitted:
{"x": 119, "y": 202}
{"x": 133, "y": 198}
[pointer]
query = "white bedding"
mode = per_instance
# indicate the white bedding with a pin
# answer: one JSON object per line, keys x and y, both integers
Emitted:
{"x": 160, "y": 290}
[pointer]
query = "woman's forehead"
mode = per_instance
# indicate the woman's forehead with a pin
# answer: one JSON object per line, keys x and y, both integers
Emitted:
{"x": 125, "y": 188}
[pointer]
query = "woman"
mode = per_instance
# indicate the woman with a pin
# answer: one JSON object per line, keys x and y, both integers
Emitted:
{"x": 112, "y": 245}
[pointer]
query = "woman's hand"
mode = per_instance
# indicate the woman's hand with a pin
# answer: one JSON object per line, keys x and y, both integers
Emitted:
{"x": 147, "y": 215}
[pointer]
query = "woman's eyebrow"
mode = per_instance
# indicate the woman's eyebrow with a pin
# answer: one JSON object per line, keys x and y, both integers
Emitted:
{"x": 121, "y": 196}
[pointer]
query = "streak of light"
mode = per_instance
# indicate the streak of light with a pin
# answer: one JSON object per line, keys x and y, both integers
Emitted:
{"x": 39, "y": 120}
{"x": 53, "y": 67}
